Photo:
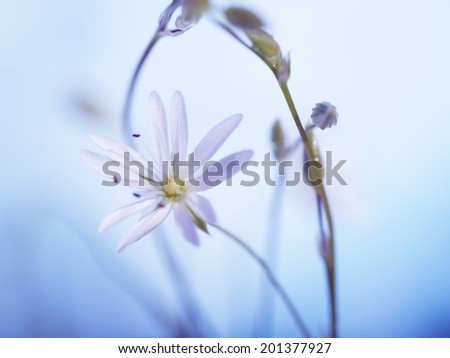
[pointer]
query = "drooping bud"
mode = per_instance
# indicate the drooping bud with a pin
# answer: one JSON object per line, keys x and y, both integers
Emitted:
{"x": 181, "y": 23}
{"x": 193, "y": 10}
{"x": 266, "y": 45}
{"x": 324, "y": 115}
{"x": 243, "y": 18}
{"x": 167, "y": 14}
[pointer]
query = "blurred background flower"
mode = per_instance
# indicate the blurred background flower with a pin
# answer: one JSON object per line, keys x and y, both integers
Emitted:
{"x": 64, "y": 71}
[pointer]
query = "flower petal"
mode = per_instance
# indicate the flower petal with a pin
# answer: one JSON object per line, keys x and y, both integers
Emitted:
{"x": 118, "y": 150}
{"x": 124, "y": 212}
{"x": 95, "y": 160}
{"x": 144, "y": 226}
{"x": 215, "y": 138}
{"x": 158, "y": 128}
{"x": 186, "y": 225}
{"x": 115, "y": 171}
{"x": 202, "y": 207}
{"x": 178, "y": 126}
{"x": 220, "y": 171}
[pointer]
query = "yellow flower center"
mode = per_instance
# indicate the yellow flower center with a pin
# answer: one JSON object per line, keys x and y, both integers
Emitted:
{"x": 174, "y": 187}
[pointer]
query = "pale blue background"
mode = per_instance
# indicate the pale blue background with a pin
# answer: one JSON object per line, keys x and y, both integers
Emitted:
{"x": 384, "y": 64}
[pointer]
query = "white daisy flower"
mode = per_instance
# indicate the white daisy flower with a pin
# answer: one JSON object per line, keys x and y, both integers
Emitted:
{"x": 166, "y": 186}
{"x": 191, "y": 12}
{"x": 324, "y": 115}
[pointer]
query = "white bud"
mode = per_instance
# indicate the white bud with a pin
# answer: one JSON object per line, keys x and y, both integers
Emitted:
{"x": 324, "y": 115}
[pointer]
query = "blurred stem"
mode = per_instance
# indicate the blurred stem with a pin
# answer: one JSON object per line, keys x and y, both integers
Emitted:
{"x": 330, "y": 262}
{"x": 320, "y": 216}
{"x": 184, "y": 290}
{"x": 126, "y": 118}
{"x": 266, "y": 313}
{"x": 271, "y": 277}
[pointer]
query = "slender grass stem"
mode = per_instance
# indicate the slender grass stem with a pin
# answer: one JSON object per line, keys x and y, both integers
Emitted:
{"x": 271, "y": 277}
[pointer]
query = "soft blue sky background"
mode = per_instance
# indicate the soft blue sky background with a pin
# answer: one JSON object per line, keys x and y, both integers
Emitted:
{"x": 384, "y": 64}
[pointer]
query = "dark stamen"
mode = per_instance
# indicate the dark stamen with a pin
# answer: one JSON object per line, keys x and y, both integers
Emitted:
{"x": 136, "y": 195}
{"x": 115, "y": 179}
{"x": 136, "y": 135}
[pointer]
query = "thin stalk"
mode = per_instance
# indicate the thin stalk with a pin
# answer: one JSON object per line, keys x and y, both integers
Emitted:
{"x": 330, "y": 260}
{"x": 164, "y": 19}
{"x": 185, "y": 293}
{"x": 132, "y": 87}
{"x": 266, "y": 310}
{"x": 271, "y": 277}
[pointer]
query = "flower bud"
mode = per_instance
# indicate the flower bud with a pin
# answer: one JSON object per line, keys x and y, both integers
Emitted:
{"x": 166, "y": 15}
{"x": 266, "y": 45}
{"x": 324, "y": 115}
{"x": 278, "y": 140}
{"x": 199, "y": 222}
{"x": 243, "y": 18}
{"x": 193, "y": 10}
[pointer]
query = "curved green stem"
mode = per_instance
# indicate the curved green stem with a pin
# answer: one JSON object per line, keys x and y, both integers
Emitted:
{"x": 330, "y": 259}
{"x": 271, "y": 277}
{"x": 330, "y": 262}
